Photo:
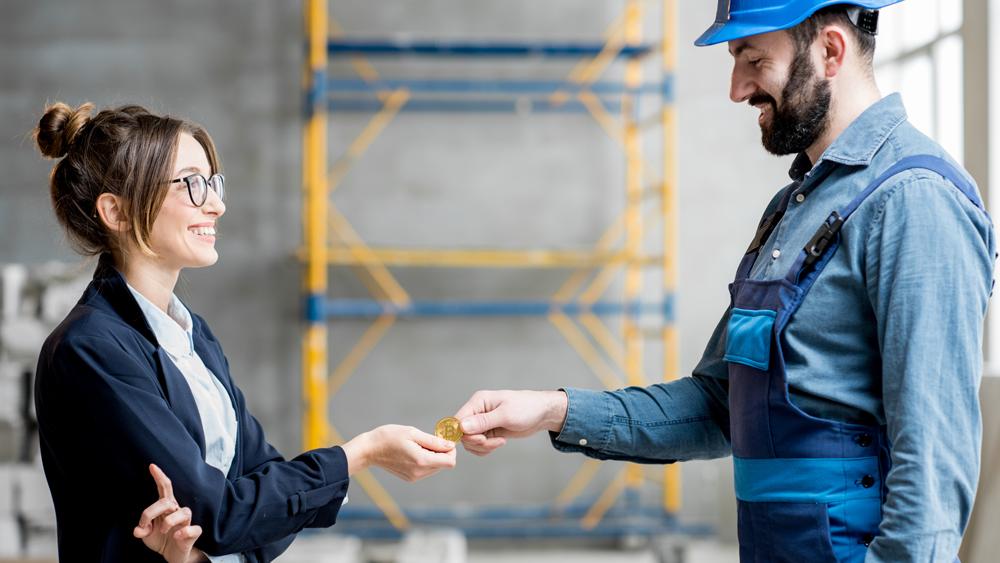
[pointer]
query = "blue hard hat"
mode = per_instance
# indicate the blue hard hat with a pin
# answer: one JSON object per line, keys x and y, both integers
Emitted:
{"x": 737, "y": 19}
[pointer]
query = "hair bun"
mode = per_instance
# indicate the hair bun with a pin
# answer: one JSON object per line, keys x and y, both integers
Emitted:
{"x": 59, "y": 126}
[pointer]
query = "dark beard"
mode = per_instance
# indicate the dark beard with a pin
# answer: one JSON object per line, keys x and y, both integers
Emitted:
{"x": 803, "y": 116}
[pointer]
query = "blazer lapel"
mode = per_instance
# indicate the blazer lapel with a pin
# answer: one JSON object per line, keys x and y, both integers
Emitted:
{"x": 110, "y": 285}
{"x": 211, "y": 355}
{"x": 179, "y": 398}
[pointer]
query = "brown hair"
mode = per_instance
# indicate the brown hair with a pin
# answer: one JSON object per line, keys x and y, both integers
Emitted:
{"x": 125, "y": 151}
{"x": 807, "y": 31}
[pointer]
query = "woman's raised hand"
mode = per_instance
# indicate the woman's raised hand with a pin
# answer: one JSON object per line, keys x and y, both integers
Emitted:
{"x": 404, "y": 451}
{"x": 165, "y": 526}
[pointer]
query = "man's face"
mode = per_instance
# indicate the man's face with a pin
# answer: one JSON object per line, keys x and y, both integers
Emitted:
{"x": 781, "y": 81}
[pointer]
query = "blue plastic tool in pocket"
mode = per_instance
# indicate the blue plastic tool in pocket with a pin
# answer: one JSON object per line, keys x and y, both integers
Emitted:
{"x": 748, "y": 341}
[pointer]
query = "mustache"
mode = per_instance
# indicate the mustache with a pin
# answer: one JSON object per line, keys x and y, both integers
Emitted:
{"x": 761, "y": 98}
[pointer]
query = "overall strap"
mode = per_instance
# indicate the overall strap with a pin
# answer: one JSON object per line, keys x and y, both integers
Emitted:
{"x": 764, "y": 230}
{"x": 927, "y": 162}
{"x": 815, "y": 251}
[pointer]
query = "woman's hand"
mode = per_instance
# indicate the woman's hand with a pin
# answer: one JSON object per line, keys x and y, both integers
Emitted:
{"x": 404, "y": 451}
{"x": 165, "y": 527}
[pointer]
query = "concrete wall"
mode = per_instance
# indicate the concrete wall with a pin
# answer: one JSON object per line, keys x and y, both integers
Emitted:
{"x": 509, "y": 181}
{"x": 232, "y": 66}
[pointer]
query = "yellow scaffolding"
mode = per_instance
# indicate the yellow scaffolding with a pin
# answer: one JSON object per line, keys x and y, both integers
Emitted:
{"x": 614, "y": 359}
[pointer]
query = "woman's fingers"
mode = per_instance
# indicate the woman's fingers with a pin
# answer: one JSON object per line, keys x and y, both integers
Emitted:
{"x": 165, "y": 527}
{"x": 165, "y": 505}
{"x": 155, "y": 510}
{"x": 188, "y": 534}
{"x": 180, "y": 517}
{"x": 427, "y": 463}
{"x": 431, "y": 442}
{"x": 163, "y": 484}
{"x": 424, "y": 457}
{"x": 412, "y": 454}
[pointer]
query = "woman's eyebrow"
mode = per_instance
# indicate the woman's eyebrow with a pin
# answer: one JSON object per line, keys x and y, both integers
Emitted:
{"x": 192, "y": 169}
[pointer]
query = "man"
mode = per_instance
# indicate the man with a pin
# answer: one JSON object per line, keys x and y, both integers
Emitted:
{"x": 843, "y": 378}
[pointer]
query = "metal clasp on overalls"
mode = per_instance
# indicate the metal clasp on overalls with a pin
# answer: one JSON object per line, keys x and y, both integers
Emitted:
{"x": 821, "y": 240}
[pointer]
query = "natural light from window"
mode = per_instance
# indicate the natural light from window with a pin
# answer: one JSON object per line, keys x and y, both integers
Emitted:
{"x": 919, "y": 54}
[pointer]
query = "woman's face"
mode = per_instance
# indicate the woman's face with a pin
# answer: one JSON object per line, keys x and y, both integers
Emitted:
{"x": 183, "y": 235}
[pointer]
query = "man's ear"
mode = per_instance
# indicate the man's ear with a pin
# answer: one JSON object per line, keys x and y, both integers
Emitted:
{"x": 833, "y": 40}
{"x": 111, "y": 212}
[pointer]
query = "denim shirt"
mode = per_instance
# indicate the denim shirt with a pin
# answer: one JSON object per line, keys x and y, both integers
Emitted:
{"x": 891, "y": 333}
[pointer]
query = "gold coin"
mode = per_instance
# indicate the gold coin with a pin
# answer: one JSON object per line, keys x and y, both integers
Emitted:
{"x": 448, "y": 428}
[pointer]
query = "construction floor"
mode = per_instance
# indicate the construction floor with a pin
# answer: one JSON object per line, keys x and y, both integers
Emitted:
{"x": 338, "y": 549}
{"x": 701, "y": 552}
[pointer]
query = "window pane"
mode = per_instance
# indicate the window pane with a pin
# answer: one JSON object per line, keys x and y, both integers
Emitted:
{"x": 888, "y": 42}
{"x": 951, "y": 15}
{"x": 948, "y": 68}
{"x": 919, "y": 22}
{"x": 918, "y": 93}
{"x": 887, "y": 78}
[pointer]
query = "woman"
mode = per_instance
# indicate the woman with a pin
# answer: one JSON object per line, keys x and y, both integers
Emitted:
{"x": 131, "y": 378}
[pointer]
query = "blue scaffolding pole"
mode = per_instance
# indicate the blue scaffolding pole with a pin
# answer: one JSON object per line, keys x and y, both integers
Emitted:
{"x": 480, "y": 86}
{"x": 518, "y": 95}
{"x": 500, "y": 49}
{"x": 454, "y": 105}
{"x": 526, "y": 522}
{"x": 368, "y": 308}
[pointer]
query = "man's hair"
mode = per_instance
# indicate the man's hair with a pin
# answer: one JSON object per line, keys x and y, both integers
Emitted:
{"x": 806, "y": 32}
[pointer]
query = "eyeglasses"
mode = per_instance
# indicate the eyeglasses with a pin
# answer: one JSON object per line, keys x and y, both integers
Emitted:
{"x": 198, "y": 187}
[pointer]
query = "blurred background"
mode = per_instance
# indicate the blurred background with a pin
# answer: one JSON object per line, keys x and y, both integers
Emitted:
{"x": 444, "y": 196}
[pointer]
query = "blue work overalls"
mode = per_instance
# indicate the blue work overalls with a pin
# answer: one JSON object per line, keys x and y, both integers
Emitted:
{"x": 808, "y": 489}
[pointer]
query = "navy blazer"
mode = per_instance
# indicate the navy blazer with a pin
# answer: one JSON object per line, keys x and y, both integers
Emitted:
{"x": 110, "y": 402}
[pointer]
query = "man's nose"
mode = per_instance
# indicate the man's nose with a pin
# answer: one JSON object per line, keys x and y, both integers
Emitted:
{"x": 740, "y": 88}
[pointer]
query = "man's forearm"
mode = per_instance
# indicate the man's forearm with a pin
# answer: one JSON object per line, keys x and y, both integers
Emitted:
{"x": 656, "y": 424}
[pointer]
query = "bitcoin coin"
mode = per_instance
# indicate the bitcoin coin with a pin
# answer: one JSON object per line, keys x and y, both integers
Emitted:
{"x": 448, "y": 428}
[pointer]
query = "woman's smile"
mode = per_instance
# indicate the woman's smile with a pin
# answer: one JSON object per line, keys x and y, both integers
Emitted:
{"x": 204, "y": 232}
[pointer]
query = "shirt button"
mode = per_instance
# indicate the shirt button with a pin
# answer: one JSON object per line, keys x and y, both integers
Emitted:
{"x": 583, "y": 441}
{"x": 799, "y": 198}
{"x": 775, "y": 253}
{"x": 867, "y": 481}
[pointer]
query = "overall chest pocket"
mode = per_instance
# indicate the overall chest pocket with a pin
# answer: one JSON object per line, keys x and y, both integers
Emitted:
{"x": 748, "y": 337}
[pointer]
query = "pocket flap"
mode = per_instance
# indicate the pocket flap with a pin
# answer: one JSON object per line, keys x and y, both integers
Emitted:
{"x": 748, "y": 340}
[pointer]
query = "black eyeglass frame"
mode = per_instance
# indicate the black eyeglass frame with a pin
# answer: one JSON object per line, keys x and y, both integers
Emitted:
{"x": 220, "y": 189}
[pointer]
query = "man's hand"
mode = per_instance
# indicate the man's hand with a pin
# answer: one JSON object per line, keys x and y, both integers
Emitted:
{"x": 490, "y": 417}
{"x": 165, "y": 527}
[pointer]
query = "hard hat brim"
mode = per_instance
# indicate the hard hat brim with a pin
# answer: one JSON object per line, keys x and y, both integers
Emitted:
{"x": 728, "y": 31}
{"x": 744, "y": 26}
